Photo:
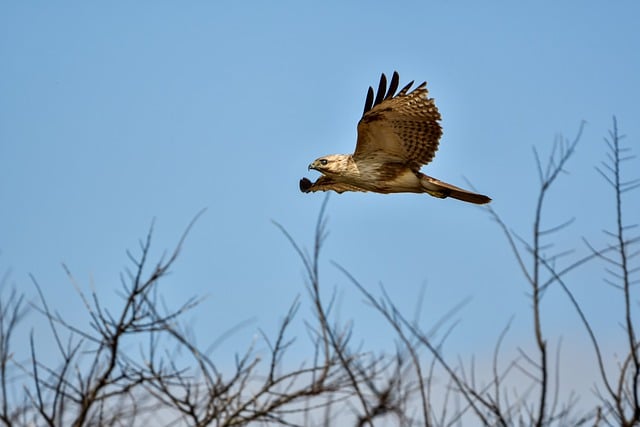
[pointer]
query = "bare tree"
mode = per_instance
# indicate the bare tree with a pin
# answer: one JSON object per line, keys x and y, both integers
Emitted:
{"x": 540, "y": 404}
{"x": 620, "y": 397}
{"x": 98, "y": 381}
{"x": 12, "y": 311}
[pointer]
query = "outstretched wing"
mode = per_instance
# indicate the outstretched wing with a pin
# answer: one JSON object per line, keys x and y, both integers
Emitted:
{"x": 324, "y": 183}
{"x": 403, "y": 128}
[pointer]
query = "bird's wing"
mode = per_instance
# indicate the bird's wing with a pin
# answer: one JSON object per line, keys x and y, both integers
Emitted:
{"x": 324, "y": 183}
{"x": 402, "y": 127}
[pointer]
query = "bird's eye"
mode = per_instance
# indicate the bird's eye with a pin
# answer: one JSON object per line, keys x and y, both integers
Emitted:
{"x": 323, "y": 162}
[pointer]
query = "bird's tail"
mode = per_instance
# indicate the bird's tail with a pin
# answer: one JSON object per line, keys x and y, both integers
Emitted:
{"x": 441, "y": 189}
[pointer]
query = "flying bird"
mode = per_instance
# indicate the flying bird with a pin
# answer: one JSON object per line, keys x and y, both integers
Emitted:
{"x": 397, "y": 135}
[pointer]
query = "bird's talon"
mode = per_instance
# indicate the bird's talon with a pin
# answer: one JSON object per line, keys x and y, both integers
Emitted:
{"x": 305, "y": 185}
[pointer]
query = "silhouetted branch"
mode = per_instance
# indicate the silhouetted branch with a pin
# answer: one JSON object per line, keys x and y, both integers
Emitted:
{"x": 626, "y": 407}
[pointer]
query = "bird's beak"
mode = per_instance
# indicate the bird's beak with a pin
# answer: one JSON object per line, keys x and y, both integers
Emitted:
{"x": 311, "y": 166}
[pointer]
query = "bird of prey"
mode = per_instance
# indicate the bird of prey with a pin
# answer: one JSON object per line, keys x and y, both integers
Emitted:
{"x": 397, "y": 134}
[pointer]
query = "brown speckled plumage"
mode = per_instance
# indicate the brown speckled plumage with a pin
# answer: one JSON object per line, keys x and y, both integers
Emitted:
{"x": 397, "y": 134}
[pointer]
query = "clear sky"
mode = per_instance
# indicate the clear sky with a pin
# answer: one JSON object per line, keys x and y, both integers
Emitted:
{"x": 113, "y": 114}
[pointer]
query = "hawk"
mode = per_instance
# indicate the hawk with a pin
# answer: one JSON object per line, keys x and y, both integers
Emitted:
{"x": 397, "y": 135}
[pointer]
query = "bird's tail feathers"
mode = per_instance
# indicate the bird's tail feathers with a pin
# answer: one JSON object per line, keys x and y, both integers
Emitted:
{"x": 441, "y": 189}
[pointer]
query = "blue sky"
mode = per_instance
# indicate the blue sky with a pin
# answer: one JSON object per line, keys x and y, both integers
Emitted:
{"x": 113, "y": 114}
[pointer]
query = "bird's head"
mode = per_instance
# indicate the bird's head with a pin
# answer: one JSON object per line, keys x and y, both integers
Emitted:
{"x": 333, "y": 164}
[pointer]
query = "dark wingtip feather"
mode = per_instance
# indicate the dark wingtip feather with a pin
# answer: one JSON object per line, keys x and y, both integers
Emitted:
{"x": 382, "y": 88}
{"x": 395, "y": 80}
{"x": 406, "y": 88}
{"x": 369, "y": 101}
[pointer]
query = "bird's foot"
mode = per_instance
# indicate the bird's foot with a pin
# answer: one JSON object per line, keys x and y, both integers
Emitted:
{"x": 305, "y": 185}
